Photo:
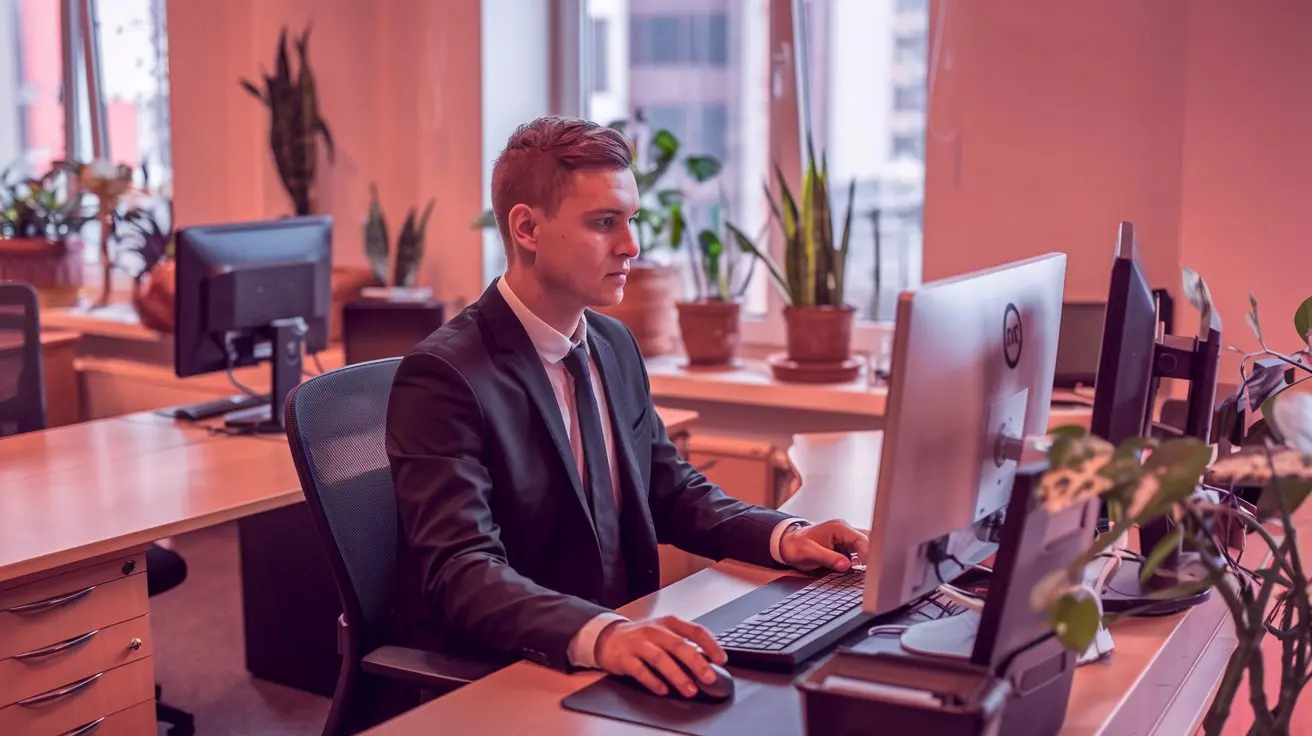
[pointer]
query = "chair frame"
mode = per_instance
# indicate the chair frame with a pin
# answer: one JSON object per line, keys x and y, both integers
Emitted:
{"x": 433, "y": 672}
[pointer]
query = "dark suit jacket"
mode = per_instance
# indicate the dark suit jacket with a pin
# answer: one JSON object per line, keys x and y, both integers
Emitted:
{"x": 498, "y": 554}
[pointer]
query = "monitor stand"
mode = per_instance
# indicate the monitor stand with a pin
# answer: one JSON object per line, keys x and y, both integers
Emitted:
{"x": 951, "y": 636}
{"x": 285, "y": 363}
{"x": 1123, "y": 593}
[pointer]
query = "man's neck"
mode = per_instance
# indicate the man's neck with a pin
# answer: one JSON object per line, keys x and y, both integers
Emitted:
{"x": 563, "y": 318}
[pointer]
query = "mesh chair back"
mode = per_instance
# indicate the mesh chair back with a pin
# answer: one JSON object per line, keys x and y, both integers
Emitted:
{"x": 22, "y": 385}
{"x": 335, "y": 427}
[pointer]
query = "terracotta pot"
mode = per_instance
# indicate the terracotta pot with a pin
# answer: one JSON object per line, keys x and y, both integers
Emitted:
{"x": 648, "y": 308}
{"x": 710, "y": 332}
{"x": 55, "y": 268}
{"x": 153, "y": 296}
{"x": 348, "y": 281}
{"x": 819, "y": 334}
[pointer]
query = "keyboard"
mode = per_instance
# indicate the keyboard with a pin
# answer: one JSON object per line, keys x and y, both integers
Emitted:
{"x": 217, "y": 407}
{"x": 802, "y": 624}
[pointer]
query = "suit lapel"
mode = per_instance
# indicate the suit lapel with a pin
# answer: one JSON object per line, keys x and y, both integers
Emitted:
{"x": 518, "y": 357}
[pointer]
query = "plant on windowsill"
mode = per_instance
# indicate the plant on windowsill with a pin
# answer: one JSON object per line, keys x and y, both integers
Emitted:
{"x": 1251, "y": 491}
{"x": 817, "y": 319}
{"x": 40, "y": 223}
{"x": 409, "y": 253}
{"x": 709, "y": 322}
{"x": 295, "y": 124}
{"x": 147, "y": 237}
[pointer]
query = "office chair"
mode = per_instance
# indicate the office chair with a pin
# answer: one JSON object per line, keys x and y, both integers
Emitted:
{"x": 165, "y": 570}
{"x": 23, "y": 409}
{"x": 336, "y": 423}
{"x": 22, "y": 384}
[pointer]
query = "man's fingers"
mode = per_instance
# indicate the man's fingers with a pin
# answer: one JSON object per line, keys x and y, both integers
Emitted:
{"x": 637, "y": 669}
{"x": 700, "y": 636}
{"x": 827, "y": 557}
{"x": 686, "y": 653}
{"x": 661, "y": 660}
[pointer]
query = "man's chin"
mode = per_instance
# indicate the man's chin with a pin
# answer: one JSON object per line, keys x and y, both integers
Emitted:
{"x": 608, "y": 297}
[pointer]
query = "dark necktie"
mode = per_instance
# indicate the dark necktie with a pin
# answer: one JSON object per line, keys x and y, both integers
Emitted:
{"x": 597, "y": 482}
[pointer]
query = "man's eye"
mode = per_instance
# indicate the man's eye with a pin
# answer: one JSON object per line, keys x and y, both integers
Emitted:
{"x": 605, "y": 221}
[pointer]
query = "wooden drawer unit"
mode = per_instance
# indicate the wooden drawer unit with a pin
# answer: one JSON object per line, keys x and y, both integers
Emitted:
{"x": 49, "y": 668}
{"x": 70, "y": 604}
{"x": 76, "y": 705}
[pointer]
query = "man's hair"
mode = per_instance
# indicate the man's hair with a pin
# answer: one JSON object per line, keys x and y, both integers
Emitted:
{"x": 535, "y": 166}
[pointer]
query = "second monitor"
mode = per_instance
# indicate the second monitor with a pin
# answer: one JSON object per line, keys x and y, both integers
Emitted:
{"x": 251, "y": 293}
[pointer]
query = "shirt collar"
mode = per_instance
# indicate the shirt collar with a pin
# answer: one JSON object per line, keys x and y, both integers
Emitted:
{"x": 552, "y": 345}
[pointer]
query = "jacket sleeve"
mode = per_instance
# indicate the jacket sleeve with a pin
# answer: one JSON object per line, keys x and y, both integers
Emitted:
{"x": 694, "y": 514}
{"x": 436, "y": 444}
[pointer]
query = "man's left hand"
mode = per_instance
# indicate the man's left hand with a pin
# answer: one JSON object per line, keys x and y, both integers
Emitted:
{"x": 823, "y": 545}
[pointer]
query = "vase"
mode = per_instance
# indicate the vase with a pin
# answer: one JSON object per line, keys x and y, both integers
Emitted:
{"x": 647, "y": 308}
{"x": 347, "y": 283}
{"x": 710, "y": 332}
{"x": 153, "y": 296}
{"x": 819, "y": 334}
{"x": 55, "y": 268}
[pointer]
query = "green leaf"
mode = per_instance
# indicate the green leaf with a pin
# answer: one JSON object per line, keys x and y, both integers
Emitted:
{"x": 1268, "y": 409}
{"x": 1075, "y": 621}
{"x": 375, "y": 237}
{"x": 702, "y": 168}
{"x": 1068, "y": 430}
{"x": 485, "y": 220}
{"x": 1164, "y": 548}
{"x": 669, "y": 197}
{"x": 667, "y": 146}
{"x": 1295, "y": 490}
{"x": 678, "y": 223}
{"x": 1303, "y": 321}
{"x": 746, "y": 244}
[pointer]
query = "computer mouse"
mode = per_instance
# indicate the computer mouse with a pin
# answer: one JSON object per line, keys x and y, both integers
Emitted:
{"x": 718, "y": 691}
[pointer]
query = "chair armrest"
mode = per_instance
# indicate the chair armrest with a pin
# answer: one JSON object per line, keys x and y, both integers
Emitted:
{"x": 442, "y": 672}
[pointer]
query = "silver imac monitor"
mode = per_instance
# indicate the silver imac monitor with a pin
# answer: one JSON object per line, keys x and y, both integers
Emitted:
{"x": 973, "y": 362}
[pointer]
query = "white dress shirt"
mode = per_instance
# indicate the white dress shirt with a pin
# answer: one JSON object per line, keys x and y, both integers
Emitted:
{"x": 552, "y": 347}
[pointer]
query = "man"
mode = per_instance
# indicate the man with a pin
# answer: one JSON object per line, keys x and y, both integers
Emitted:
{"x": 533, "y": 476}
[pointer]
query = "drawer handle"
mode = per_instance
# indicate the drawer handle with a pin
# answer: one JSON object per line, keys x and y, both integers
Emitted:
{"x": 62, "y": 692}
{"x": 49, "y": 603}
{"x": 57, "y": 648}
{"x": 92, "y": 726}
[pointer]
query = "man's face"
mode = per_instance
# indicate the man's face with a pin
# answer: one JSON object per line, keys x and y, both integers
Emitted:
{"x": 584, "y": 251}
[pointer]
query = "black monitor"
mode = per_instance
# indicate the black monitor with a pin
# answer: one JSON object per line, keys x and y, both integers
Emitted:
{"x": 1081, "y": 334}
{"x": 1134, "y": 356}
{"x": 253, "y": 292}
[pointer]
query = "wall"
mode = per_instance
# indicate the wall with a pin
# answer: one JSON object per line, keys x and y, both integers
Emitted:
{"x": 400, "y": 89}
{"x": 1245, "y": 221}
{"x": 1049, "y": 123}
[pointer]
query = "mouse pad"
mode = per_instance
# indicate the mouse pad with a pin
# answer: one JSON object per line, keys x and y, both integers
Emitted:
{"x": 763, "y": 703}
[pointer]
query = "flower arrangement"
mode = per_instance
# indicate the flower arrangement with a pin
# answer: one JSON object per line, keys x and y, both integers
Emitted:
{"x": 107, "y": 182}
{"x": 1251, "y": 489}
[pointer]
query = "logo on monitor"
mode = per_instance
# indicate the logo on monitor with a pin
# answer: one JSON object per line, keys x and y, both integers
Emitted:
{"x": 1013, "y": 337}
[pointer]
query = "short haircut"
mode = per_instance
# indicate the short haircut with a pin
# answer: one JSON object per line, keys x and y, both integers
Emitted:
{"x": 535, "y": 166}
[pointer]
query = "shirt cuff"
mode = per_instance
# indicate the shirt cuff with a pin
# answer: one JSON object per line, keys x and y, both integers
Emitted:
{"x": 582, "y": 650}
{"x": 776, "y": 537}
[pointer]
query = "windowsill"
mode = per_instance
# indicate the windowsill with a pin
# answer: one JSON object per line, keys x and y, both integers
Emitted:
{"x": 751, "y": 383}
{"x": 118, "y": 319}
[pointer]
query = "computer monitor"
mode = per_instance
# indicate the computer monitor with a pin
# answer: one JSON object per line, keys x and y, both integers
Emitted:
{"x": 1135, "y": 355}
{"x": 973, "y": 361}
{"x": 253, "y": 292}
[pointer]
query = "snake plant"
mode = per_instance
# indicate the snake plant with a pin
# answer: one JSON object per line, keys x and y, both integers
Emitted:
{"x": 294, "y": 122}
{"x": 813, "y": 263}
{"x": 409, "y": 244}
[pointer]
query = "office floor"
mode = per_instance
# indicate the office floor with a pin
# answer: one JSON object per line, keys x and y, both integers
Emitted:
{"x": 199, "y": 658}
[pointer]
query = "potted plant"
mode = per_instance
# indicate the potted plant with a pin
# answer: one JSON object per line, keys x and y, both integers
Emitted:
{"x": 817, "y": 320}
{"x": 149, "y": 238}
{"x": 409, "y": 252}
{"x": 40, "y": 221}
{"x": 107, "y": 182}
{"x": 1179, "y": 481}
{"x": 709, "y": 322}
{"x": 649, "y": 295}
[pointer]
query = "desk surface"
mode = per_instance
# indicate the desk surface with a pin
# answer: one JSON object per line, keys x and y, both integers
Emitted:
{"x": 73, "y": 493}
{"x": 1163, "y": 670}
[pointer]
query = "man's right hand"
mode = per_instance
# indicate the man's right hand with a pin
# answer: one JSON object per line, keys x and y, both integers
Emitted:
{"x": 637, "y": 648}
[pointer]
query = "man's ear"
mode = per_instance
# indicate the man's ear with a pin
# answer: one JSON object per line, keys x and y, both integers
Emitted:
{"x": 523, "y": 226}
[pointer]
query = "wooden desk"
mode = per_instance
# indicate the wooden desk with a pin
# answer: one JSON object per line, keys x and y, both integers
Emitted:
{"x": 78, "y": 507}
{"x": 1162, "y": 672}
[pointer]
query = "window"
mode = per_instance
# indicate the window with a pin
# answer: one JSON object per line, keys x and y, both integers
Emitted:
{"x": 696, "y": 38}
{"x": 35, "y": 117}
{"x": 600, "y": 31}
{"x": 702, "y": 74}
{"x": 716, "y": 75}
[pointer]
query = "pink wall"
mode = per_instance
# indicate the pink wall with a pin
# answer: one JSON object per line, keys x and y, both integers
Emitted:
{"x": 400, "y": 89}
